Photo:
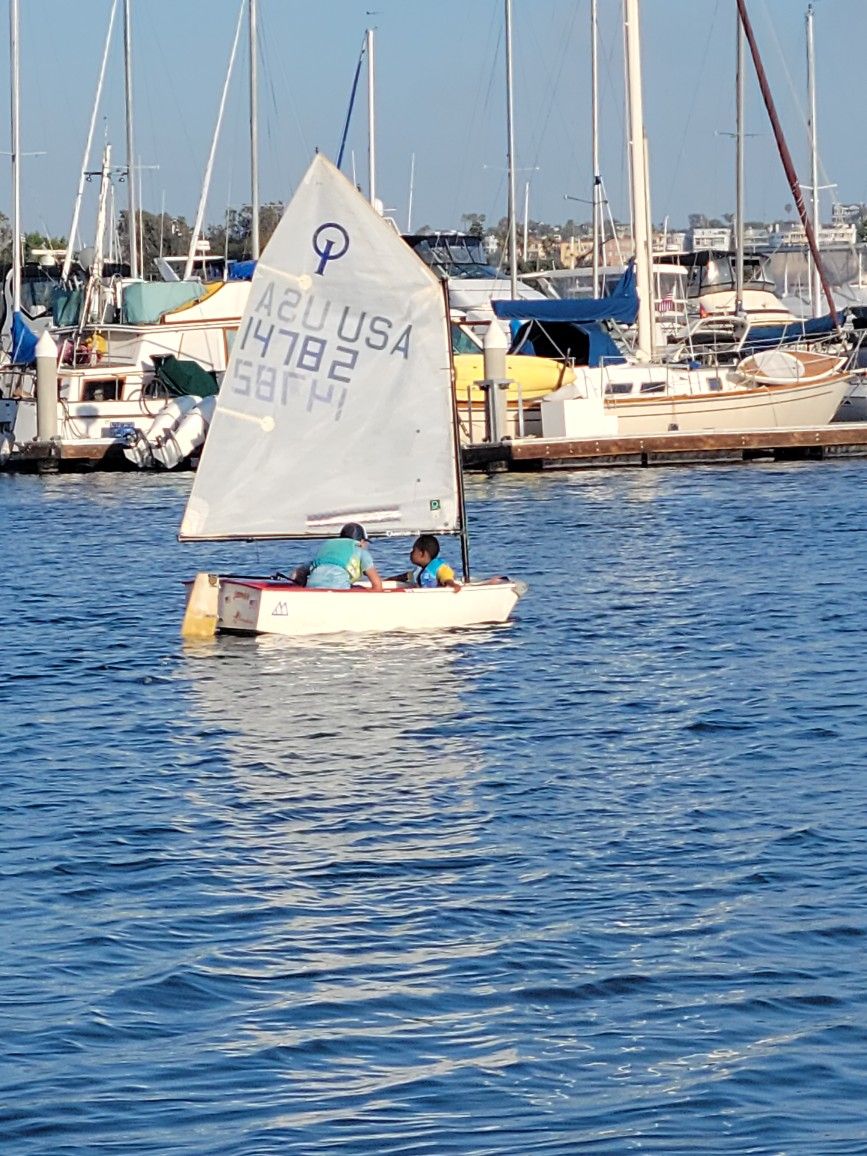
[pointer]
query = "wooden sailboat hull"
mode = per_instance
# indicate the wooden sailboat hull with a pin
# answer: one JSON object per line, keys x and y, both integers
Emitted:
{"x": 265, "y": 606}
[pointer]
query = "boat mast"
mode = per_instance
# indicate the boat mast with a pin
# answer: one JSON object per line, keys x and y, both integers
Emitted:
{"x": 206, "y": 183}
{"x": 371, "y": 119}
{"x": 510, "y": 160}
{"x": 76, "y": 210}
{"x": 132, "y": 207}
{"x": 594, "y": 124}
{"x": 739, "y": 179}
{"x": 815, "y": 286}
{"x": 640, "y": 189}
{"x": 254, "y": 134}
{"x": 411, "y": 191}
{"x": 16, "y": 155}
{"x": 456, "y": 441}
{"x": 786, "y": 156}
{"x": 94, "y": 273}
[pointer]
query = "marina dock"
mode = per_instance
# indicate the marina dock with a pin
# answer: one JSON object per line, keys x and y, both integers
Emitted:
{"x": 522, "y": 455}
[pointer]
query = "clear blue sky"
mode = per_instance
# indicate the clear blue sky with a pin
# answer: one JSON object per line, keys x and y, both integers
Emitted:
{"x": 440, "y": 95}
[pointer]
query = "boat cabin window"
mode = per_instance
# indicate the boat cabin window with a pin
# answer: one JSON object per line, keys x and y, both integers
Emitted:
{"x": 619, "y": 387}
{"x": 453, "y": 254}
{"x": 105, "y": 389}
{"x": 653, "y": 387}
{"x": 462, "y": 342}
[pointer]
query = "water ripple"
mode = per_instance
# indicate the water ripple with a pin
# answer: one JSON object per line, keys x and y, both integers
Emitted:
{"x": 591, "y": 882}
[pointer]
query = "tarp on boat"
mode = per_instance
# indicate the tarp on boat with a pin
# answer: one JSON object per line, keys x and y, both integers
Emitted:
{"x": 621, "y": 306}
{"x": 242, "y": 270}
{"x": 181, "y": 377}
{"x": 23, "y": 341}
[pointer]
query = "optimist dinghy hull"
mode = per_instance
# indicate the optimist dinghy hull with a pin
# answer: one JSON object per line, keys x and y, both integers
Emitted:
{"x": 268, "y": 606}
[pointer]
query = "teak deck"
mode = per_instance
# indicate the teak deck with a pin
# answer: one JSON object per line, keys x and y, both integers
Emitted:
{"x": 527, "y": 454}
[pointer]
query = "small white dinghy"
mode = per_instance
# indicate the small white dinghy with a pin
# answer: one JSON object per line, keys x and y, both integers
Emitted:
{"x": 337, "y": 406}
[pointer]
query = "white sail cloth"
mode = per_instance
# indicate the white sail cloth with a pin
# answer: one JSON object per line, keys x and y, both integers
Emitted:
{"x": 337, "y": 402}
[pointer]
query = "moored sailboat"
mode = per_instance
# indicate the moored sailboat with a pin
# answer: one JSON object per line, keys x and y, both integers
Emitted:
{"x": 337, "y": 406}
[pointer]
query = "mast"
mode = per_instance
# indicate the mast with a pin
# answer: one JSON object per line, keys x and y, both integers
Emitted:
{"x": 640, "y": 190}
{"x": 814, "y": 156}
{"x": 594, "y": 125}
{"x": 254, "y": 134}
{"x": 739, "y": 179}
{"x": 459, "y": 465}
{"x": 132, "y": 207}
{"x": 94, "y": 273}
{"x": 76, "y": 211}
{"x": 206, "y": 183}
{"x": 371, "y": 119}
{"x": 411, "y": 191}
{"x": 786, "y": 156}
{"x": 510, "y": 130}
{"x": 16, "y": 155}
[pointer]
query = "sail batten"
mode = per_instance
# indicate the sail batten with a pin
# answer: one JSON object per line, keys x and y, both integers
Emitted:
{"x": 337, "y": 404}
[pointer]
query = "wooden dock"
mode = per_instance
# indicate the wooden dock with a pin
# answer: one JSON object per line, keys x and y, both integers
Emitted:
{"x": 669, "y": 449}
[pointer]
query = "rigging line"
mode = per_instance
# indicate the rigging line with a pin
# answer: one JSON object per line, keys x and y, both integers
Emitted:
{"x": 793, "y": 91}
{"x": 352, "y": 96}
{"x": 538, "y": 133}
{"x": 684, "y": 136}
{"x": 478, "y": 105}
{"x": 269, "y": 72}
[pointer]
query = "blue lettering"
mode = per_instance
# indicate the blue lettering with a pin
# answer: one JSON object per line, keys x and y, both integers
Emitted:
{"x": 377, "y": 331}
{"x": 343, "y": 320}
{"x": 286, "y": 308}
{"x": 348, "y": 363}
{"x": 266, "y": 301}
{"x": 402, "y": 343}
{"x": 264, "y": 339}
{"x": 307, "y": 321}
{"x": 266, "y": 377}
{"x": 310, "y": 354}
{"x": 243, "y": 377}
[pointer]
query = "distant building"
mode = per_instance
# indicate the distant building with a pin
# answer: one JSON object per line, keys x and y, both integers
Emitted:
{"x": 792, "y": 233}
{"x": 573, "y": 251}
{"x": 669, "y": 241}
{"x": 710, "y": 237}
{"x": 847, "y": 214}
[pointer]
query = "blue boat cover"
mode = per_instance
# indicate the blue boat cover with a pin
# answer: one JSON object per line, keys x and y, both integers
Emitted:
{"x": 23, "y": 341}
{"x": 621, "y": 305}
{"x": 760, "y": 336}
{"x": 242, "y": 270}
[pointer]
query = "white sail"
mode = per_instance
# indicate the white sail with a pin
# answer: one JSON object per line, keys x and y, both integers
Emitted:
{"x": 337, "y": 402}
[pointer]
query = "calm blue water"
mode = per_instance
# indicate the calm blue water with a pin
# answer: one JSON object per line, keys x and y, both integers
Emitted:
{"x": 595, "y": 881}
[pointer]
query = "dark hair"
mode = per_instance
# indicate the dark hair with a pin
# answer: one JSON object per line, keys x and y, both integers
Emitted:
{"x": 353, "y": 530}
{"x": 428, "y": 543}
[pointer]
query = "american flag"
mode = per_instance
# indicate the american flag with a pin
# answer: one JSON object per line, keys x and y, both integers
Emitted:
{"x": 665, "y": 305}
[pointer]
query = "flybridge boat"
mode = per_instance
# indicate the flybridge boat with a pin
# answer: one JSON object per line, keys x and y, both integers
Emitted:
{"x": 337, "y": 407}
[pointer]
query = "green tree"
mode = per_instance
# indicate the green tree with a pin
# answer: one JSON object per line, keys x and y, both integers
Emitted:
{"x": 474, "y": 224}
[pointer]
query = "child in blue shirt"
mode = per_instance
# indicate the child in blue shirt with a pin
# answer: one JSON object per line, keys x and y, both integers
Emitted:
{"x": 341, "y": 561}
{"x": 431, "y": 572}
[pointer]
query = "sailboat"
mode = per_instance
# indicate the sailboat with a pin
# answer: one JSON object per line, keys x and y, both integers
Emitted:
{"x": 337, "y": 406}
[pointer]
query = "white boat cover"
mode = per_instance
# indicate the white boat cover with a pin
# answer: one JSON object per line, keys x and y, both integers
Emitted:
{"x": 337, "y": 402}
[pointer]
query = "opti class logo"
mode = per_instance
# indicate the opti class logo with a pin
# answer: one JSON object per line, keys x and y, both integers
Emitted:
{"x": 330, "y": 243}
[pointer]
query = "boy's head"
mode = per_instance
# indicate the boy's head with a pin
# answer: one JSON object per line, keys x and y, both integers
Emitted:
{"x": 424, "y": 549}
{"x": 354, "y": 531}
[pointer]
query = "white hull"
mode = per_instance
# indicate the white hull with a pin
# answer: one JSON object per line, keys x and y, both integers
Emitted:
{"x": 768, "y": 407}
{"x": 266, "y": 606}
{"x": 773, "y": 390}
